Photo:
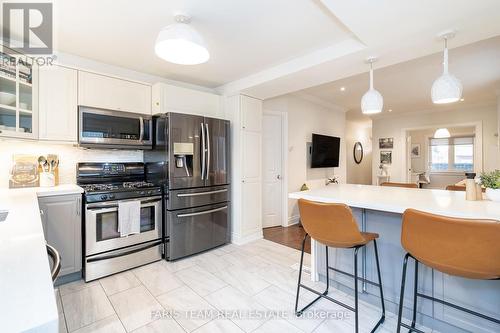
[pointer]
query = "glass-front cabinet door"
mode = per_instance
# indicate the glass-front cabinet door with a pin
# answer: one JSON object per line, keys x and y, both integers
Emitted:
{"x": 18, "y": 95}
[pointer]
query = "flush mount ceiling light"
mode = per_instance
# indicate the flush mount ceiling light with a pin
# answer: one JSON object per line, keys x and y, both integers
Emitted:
{"x": 447, "y": 88}
{"x": 442, "y": 133}
{"x": 372, "y": 101}
{"x": 179, "y": 43}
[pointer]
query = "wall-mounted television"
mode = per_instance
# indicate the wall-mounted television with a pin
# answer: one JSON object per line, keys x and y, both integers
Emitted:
{"x": 325, "y": 151}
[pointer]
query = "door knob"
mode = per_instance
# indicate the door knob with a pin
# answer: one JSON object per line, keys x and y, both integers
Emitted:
{"x": 278, "y": 177}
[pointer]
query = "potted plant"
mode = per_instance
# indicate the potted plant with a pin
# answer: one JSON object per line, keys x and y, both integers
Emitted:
{"x": 491, "y": 180}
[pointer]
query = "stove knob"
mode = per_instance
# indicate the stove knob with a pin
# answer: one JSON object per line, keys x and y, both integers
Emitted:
{"x": 111, "y": 196}
{"x": 142, "y": 193}
{"x": 104, "y": 197}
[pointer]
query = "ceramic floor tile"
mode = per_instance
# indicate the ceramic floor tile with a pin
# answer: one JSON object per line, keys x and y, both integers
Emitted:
{"x": 219, "y": 326}
{"x": 119, "y": 282}
{"x": 58, "y": 301}
{"x": 175, "y": 266}
{"x": 246, "y": 282}
{"x": 157, "y": 278}
{"x": 135, "y": 307}
{"x": 277, "y": 325}
{"x": 188, "y": 308}
{"x": 249, "y": 261}
{"x": 162, "y": 325}
{"x": 76, "y": 286}
{"x": 85, "y": 307}
{"x": 280, "y": 276}
{"x": 62, "y": 324}
{"x": 245, "y": 312}
{"x": 107, "y": 325}
{"x": 276, "y": 299}
{"x": 212, "y": 263}
{"x": 200, "y": 280}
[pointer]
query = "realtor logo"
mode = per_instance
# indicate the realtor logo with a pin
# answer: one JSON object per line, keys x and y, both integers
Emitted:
{"x": 27, "y": 27}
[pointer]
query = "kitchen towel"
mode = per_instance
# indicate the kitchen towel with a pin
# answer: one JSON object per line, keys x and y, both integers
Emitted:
{"x": 129, "y": 217}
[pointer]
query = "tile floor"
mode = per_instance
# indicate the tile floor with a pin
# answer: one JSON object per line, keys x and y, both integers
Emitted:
{"x": 230, "y": 289}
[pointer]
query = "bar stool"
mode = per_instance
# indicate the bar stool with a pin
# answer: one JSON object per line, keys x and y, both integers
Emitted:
{"x": 460, "y": 247}
{"x": 333, "y": 225}
{"x": 407, "y": 185}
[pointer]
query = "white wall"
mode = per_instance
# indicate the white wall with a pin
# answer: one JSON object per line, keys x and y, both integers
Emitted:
{"x": 392, "y": 126}
{"x": 69, "y": 156}
{"x": 304, "y": 118}
{"x": 357, "y": 131}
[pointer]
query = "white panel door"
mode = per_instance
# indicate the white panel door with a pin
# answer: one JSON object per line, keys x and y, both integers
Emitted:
{"x": 251, "y": 113}
{"x": 272, "y": 170}
{"x": 58, "y": 103}
{"x": 106, "y": 92}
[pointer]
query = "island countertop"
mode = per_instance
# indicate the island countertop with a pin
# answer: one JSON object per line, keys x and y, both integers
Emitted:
{"x": 27, "y": 301}
{"x": 397, "y": 200}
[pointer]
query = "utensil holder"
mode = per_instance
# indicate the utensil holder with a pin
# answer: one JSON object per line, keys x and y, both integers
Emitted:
{"x": 47, "y": 179}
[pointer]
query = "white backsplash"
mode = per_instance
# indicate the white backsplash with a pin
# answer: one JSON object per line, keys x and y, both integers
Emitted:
{"x": 69, "y": 156}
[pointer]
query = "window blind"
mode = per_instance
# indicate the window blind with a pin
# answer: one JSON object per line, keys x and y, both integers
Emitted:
{"x": 454, "y": 141}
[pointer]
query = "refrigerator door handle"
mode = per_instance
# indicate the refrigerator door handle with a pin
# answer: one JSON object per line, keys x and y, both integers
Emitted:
{"x": 208, "y": 150}
{"x": 203, "y": 148}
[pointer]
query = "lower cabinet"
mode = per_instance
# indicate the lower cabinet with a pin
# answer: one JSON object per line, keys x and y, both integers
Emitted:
{"x": 62, "y": 227}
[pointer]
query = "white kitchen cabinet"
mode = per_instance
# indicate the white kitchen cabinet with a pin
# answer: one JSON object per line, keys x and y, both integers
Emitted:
{"x": 251, "y": 113}
{"x": 58, "y": 104}
{"x": 18, "y": 95}
{"x": 246, "y": 149}
{"x": 62, "y": 227}
{"x": 107, "y": 92}
{"x": 170, "y": 98}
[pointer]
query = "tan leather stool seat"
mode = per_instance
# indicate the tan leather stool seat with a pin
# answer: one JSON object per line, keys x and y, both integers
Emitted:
{"x": 462, "y": 247}
{"x": 332, "y": 224}
{"x": 407, "y": 185}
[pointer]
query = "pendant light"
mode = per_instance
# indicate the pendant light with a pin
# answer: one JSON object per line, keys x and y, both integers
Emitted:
{"x": 447, "y": 88}
{"x": 442, "y": 133}
{"x": 179, "y": 43}
{"x": 372, "y": 101}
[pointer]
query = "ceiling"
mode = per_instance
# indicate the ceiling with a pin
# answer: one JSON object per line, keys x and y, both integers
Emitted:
{"x": 406, "y": 87}
{"x": 243, "y": 37}
{"x": 266, "y": 48}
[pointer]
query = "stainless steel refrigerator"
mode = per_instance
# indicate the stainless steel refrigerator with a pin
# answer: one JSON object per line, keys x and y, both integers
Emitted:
{"x": 191, "y": 160}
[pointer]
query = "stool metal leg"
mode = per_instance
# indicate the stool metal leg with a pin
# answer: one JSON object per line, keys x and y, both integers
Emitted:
{"x": 327, "y": 273}
{"x": 401, "y": 295}
{"x": 356, "y": 317}
{"x": 382, "y": 318}
{"x": 415, "y": 291}
{"x": 300, "y": 276}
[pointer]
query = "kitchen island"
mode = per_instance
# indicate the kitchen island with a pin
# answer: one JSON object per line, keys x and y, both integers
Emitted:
{"x": 378, "y": 209}
{"x": 27, "y": 299}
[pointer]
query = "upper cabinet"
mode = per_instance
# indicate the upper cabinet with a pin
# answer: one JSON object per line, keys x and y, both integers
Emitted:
{"x": 251, "y": 113}
{"x": 106, "y": 92}
{"x": 58, "y": 103}
{"x": 169, "y": 98}
{"x": 18, "y": 95}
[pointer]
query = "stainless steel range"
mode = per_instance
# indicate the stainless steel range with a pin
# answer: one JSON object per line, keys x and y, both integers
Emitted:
{"x": 107, "y": 185}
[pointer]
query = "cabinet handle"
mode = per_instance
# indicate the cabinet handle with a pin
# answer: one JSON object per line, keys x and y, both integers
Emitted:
{"x": 41, "y": 212}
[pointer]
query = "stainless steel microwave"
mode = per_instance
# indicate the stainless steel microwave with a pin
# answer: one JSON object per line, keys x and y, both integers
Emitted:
{"x": 100, "y": 128}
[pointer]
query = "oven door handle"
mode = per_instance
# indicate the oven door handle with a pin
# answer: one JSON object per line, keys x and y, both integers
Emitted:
{"x": 126, "y": 253}
{"x": 203, "y": 212}
{"x": 114, "y": 204}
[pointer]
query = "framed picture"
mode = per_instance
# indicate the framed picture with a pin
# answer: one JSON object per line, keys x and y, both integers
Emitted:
{"x": 386, "y": 157}
{"x": 386, "y": 143}
{"x": 415, "y": 150}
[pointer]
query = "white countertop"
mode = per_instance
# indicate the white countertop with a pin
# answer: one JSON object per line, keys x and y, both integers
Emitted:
{"x": 397, "y": 200}
{"x": 27, "y": 301}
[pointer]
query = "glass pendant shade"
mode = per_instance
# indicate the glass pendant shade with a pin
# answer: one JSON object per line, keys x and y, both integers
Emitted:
{"x": 372, "y": 101}
{"x": 180, "y": 44}
{"x": 447, "y": 88}
{"x": 442, "y": 133}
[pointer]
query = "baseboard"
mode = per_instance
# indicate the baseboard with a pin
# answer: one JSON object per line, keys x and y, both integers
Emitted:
{"x": 239, "y": 240}
{"x": 293, "y": 220}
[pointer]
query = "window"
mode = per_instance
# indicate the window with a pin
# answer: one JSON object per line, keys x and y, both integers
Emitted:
{"x": 452, "y": 154}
